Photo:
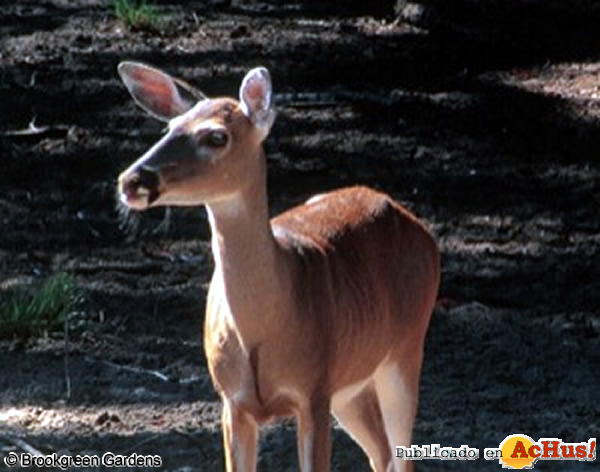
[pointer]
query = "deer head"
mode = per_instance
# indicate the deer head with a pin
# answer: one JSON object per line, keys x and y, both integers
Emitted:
{"x": 209, "y": 151}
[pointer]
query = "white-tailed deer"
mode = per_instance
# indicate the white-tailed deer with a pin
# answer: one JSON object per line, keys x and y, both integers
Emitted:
{"x": 321, "y": 309}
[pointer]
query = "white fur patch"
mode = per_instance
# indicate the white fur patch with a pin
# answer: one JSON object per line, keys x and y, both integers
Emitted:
{"x": 315, "y": 198}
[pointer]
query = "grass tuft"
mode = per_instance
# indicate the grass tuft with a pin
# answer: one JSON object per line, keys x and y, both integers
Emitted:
{"x": 137, "y": 14}
{"x": 36, "y": 311}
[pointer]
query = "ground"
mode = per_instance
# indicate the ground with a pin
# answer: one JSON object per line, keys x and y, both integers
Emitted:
{"x": 493, "y": 143}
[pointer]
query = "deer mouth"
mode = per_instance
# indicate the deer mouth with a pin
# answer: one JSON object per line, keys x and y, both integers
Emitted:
{"x": 139, "y": 189}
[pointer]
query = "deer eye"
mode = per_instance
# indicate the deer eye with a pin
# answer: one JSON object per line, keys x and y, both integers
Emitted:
{"x": 215, "y": 139}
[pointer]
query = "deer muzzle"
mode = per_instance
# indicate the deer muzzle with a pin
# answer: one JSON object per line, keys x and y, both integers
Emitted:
{"x": 139, "y": 188}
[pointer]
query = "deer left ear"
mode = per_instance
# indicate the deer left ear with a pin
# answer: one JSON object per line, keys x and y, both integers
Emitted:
{"x": 255, "y": 98}
{"x": 161, "y": 95}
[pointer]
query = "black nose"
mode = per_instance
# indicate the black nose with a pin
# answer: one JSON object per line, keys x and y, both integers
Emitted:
{"x": 149, "y": 180}
{"x": 142, "y": 178}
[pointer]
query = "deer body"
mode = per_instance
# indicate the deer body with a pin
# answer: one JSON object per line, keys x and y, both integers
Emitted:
{"x": 321, "y": 309}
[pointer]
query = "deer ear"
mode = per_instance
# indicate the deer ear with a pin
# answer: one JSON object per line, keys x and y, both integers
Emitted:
{"x": 255, "y": 98}
{"x": 161, "y": 95}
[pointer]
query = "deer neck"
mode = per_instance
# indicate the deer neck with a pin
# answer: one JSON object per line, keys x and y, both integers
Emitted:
{"x": 247, "y": 259}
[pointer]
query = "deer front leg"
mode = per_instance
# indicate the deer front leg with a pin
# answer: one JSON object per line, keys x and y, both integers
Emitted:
{"x": 240, "y": 433}
{"x": 314, "y": 447}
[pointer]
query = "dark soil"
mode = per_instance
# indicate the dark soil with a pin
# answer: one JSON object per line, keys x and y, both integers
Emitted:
{"x": 491, "y": 140}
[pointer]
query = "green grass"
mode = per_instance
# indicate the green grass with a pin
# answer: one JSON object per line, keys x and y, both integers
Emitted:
{"x": 38, "y": 310}
{"x": 137, "y": 14}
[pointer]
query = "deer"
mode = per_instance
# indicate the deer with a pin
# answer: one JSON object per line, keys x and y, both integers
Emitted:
{"x": 320, "y": 310}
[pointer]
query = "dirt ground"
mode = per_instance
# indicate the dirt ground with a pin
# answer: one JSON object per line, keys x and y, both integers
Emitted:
{"x": 494, "y": 144}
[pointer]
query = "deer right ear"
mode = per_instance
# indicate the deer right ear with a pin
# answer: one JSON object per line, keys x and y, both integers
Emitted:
{"x": 255, "y": 98}
{"x": 161, "y": 95}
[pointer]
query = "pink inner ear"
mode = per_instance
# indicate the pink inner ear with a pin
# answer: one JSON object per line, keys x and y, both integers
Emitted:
{"x": 155, "y": 90}
{"x": 254, "y": 90}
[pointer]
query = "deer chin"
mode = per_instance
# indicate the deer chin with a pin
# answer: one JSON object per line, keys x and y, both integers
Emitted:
{"x": 140, "y": 200}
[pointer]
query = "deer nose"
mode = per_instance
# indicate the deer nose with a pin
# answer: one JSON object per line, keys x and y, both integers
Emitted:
{"x": 148, "y": 178}
{"x": 139, "y": 184}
